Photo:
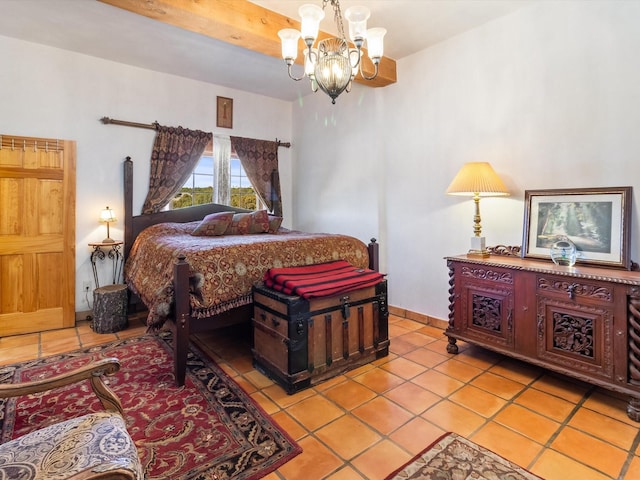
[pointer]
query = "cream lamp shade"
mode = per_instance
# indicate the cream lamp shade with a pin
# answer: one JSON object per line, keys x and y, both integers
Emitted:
{"x": 477, "y": 179}
{"x": 107, "y": 216}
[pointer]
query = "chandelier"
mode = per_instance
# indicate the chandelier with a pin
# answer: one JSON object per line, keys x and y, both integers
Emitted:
{"x": 332, "y": 65}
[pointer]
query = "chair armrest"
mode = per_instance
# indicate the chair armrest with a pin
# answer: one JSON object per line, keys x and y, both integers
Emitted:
{"x": 93, "y": 371}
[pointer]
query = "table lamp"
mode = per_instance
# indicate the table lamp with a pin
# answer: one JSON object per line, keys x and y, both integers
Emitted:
{"x": 108, "y": 216}
{"x": 477, "y": 179}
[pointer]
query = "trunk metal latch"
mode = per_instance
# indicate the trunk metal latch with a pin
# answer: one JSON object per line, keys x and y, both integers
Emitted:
{"x": 346, "y": 308}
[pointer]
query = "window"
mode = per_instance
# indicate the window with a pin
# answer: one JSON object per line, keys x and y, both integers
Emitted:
{"x": 199, "y": 187}
{"x": 242, "y": 193}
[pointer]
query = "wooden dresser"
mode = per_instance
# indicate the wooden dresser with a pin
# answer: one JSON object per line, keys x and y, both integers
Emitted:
{"x": 583, "y": 322}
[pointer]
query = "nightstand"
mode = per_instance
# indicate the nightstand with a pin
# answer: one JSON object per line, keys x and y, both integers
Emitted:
{"x": 110, "y": 301}
{"x": 111, "y": 250}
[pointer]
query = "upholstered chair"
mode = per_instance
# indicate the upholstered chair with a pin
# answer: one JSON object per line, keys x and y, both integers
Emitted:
{"x": 93, "y": 446}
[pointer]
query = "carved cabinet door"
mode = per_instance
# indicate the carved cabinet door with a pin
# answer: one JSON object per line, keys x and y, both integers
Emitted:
{"x": 575, "y": 325}
{"x": 487, "y": 312}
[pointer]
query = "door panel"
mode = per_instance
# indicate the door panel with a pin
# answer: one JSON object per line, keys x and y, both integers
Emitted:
{"x": 10, "y": 193}
{"x": 10, "y": 283}
{"x": 37, "y": 234}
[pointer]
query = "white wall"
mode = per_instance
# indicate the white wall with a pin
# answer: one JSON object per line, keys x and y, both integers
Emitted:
{"x": 53, "y": 93}
{"x": 548, "y": 95}
{"x": 336, "y": 163}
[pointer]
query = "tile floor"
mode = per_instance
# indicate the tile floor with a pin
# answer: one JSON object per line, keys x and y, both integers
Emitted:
{"x": 368, "y": 422}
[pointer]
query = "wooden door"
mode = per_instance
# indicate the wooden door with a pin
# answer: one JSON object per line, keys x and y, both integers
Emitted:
{"x": 37, "y": 234}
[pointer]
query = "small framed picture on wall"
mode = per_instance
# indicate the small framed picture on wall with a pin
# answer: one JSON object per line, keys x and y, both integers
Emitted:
{"x": 224, "y": 112}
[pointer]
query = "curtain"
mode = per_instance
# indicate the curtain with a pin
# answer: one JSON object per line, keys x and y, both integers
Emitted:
{"x": 176, "y": 152}
{"x": 222, "y": 155}
{"x": 259, "y": 159}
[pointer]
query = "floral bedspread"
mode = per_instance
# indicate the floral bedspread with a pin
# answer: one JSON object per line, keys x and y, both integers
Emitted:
{"x": 223, "y": 268}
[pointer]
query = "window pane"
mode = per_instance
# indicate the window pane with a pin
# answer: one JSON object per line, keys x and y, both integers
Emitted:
{"x": 236, "y": 172}
{"x": 202, "y": 181}
{"x": 204, "y": 166}
{"x": 242, "y": 193}
{"x": 199, "y": 187}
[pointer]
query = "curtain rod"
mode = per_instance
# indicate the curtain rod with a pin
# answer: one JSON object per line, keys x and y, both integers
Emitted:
{"x": 155, "y": 125}
{"x": 283, "y": 144}
{"x": 150, "y": 126}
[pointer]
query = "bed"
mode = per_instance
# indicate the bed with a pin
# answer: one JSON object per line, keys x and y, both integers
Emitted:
{"x": 194, "y": 283}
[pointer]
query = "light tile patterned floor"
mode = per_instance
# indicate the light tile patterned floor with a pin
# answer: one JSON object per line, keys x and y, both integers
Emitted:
{"x": 368, "y": 422}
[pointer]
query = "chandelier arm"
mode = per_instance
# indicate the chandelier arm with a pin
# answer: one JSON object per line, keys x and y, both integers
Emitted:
{"x": 290, "y": 71}
{"x": 358, "y": 61}
{"x": 313, "y": 56}
{"x": 375, "y": 71}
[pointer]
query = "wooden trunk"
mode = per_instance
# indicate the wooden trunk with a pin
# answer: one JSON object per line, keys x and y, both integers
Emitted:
{"x": 299, "y": 342}
{"x": 110, "y": 308}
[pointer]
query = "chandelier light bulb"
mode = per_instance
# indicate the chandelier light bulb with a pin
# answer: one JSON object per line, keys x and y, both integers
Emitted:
{"x": 357, "y": 17}
{"x": 311, "y": 16}
{"x": 289, "y": 38}
{"x": 375, "y": 47}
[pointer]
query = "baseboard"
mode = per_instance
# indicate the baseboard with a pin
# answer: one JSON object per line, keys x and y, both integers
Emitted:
{"x": 419, "y": 317}
{"x": 84, "y": 315}
{"x": 397, "y": 311}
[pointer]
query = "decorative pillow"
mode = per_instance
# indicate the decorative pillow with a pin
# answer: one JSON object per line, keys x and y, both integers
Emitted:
{"x": 260, "y": 222}
{"x": 274, "y": 223}
{"x": 250, "y": 222}
{"x": 240, "y": 224}
{"x": 213, "y": 224}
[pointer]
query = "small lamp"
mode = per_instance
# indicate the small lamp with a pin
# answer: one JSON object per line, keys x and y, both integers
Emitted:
{"x": 477, "y": 179}
{"x": 107, "y": 216}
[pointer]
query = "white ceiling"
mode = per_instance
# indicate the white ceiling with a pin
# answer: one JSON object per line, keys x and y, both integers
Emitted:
{"x": 93, "y": 28}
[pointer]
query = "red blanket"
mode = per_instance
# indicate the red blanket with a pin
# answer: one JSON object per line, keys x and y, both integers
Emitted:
{"x": 321, "y": 280}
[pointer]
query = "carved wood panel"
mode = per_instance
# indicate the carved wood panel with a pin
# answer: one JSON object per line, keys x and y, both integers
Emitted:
{"x": 488, "y": 312}
{"x": 482, "y": 273}
{"x": 575, "y": 289}
{"x": 575, "y": 336}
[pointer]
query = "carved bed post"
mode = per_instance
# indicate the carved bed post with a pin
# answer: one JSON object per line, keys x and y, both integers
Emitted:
{"x": 128, "y": 206}
{"x": 374, "y": 255}
{"x": 182, "y": 318}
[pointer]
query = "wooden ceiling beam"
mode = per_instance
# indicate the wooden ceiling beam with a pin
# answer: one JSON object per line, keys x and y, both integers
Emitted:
{"x": 240, "y": 23}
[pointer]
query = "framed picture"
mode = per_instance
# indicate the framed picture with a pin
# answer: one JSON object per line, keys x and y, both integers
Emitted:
{"x": 595, "y": 220}
{"x": 224, "y": 112}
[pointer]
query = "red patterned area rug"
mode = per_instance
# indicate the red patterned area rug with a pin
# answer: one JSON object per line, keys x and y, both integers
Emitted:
{"x": 208, "y": 429}
{"x": 455, "y": 457}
